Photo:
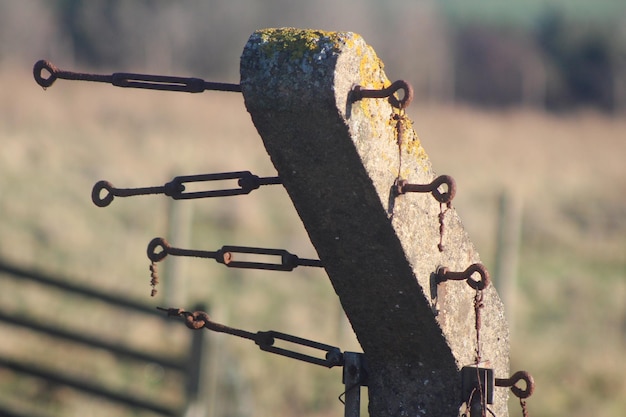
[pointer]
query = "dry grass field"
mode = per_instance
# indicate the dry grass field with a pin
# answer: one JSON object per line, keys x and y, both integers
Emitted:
{"x": 570, "y": 316}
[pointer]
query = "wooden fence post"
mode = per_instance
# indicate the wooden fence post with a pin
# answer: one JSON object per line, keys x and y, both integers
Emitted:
{"x": 510, "y": 211}
{"x": 338, "y": 161}
{"x": 179, "y": 220}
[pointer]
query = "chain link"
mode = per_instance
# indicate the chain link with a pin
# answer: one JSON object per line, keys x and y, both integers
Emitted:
{"x": 154, "y": 278}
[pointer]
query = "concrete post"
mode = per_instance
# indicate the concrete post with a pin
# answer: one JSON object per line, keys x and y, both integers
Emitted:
{"x": 338, "y": 161}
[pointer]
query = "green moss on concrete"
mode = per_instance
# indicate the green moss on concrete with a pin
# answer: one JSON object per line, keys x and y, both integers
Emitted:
{"x": 301, "y": 43}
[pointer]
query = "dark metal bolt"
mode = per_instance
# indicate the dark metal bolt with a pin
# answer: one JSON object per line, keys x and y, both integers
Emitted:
{"x": 334, "y": 357}
{"x": 228, "y": 257}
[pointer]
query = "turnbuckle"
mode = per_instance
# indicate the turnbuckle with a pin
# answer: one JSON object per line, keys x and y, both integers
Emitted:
{"x": 130, "y": 80}
{"x": 264, "y": 339}
{"x": 159, "y": 248}
{"x": 175, "y": 189}
{"x": 333, "y": 356}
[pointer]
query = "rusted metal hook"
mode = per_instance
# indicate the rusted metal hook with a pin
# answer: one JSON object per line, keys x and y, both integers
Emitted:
{"x": 444, "y": 274}
{"x": 402, "y": 186}
{"x": 512, "y": 381}
{"x": 359, "y": 93}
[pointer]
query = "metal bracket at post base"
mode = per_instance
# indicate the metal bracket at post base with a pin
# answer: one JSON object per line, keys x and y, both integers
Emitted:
{"x": 477, "y": 388}
{"x": 354, "y": 377}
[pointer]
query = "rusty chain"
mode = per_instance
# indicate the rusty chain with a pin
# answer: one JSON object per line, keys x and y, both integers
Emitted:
{"x": 400, "y": 119}
{"x": 522, "y": 404}
{"x": 478, "y": 306}
{"x": 154, "y": 278}
{"x": 442, "y": 225}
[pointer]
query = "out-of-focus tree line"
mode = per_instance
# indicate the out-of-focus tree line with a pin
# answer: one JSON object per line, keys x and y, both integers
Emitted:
{"x": 548, "y": 57}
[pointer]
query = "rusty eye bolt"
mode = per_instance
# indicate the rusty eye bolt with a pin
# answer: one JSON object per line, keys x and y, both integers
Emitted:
{"x": 359, "y": 93}
{"x": 512, "y": 383}
{"x": 402, "y": 186}
{"x": 444, "y": 274}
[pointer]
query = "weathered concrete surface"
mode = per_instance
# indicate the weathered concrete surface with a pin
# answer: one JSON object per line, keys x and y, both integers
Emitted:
{"x": 338, "y": 161}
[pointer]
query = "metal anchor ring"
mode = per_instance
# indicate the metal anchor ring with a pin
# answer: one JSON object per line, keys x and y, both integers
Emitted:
{"x": 96, "y": 193}
{"x": 446, "y": 196}
{"x": 38, "y": 69}
{"x": 154, "y": 254}
{"x": 197, "y": 320}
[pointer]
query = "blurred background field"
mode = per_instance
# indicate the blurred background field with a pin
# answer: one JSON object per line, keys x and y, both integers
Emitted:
{"x": 527, "y": 100}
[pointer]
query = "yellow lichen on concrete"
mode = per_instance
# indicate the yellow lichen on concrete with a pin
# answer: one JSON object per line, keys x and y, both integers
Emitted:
{"x": 306, "y": 49}
{"x": 413, "y": 144}
{"x": 371, "y": 68}
{"x": 415, "y": 149}
{"x": 371, "y": 74}
{"x": 301, "y": 43}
